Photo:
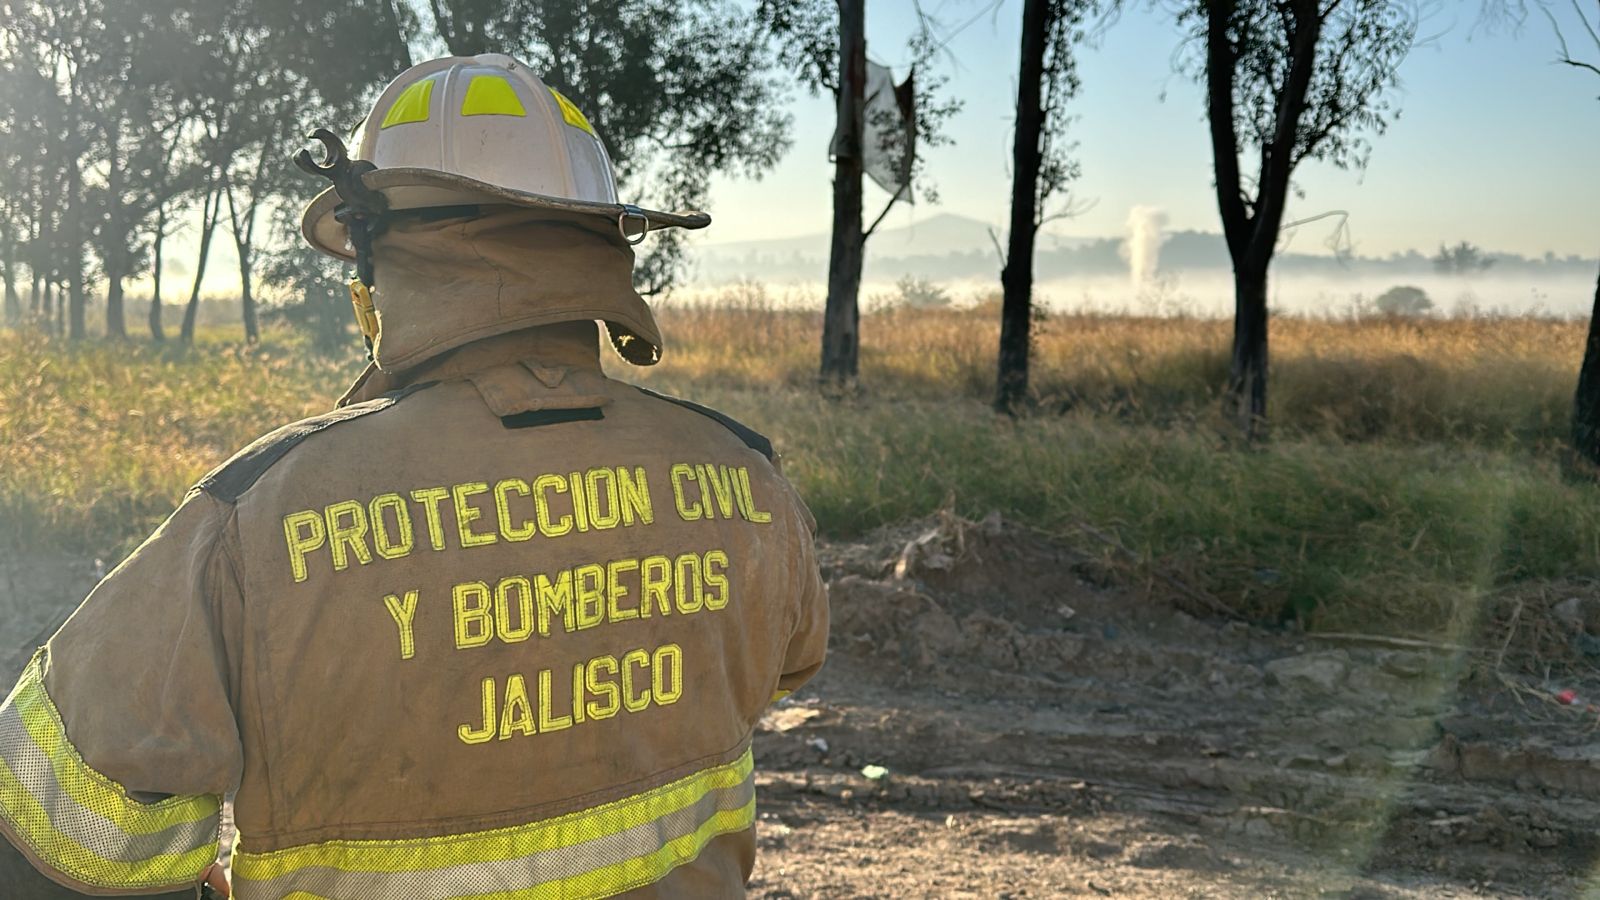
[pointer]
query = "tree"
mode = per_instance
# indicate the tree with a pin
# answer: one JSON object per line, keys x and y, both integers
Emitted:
{"x": 824, "y": 43}
{"x": 1586, "y": 398}
{"x": 841, "y": 316}
{"x": 679, "y": 90}
{"x": 1040, "y": 168}
{"x": 1461, "y": 260}
{"x": 1403, "y": 301}
{"x": 1291, "y": 80}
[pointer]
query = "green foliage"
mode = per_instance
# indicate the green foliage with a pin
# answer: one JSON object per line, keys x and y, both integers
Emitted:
{"x": 1349, "y": 82}
{"x": 679, "y": 90}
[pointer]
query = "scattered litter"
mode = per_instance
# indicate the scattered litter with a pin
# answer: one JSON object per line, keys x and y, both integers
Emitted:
{"x": 874, "y": 772}
{"x": 1065, "y": 611}
{"x": 789, "y": 718}
{"x": 1568, "y": 697}
{"x": 818, "y": 744}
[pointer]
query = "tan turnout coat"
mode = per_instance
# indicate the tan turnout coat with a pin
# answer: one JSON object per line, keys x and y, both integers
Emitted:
{"x": 499, "y": 625}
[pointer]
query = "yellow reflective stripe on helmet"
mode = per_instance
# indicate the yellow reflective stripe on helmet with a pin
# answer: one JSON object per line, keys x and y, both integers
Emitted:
{"x": 491, "y": 95}
{"x": 570, "y": 112}
{"x": 410, "y": 106}
{"x": 595, "y": 852}
{"x": 83, "y": 824}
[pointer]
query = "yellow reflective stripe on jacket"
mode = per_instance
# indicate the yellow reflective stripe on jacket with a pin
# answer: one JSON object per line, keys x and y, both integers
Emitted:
{"x": 590, "y": 853}
{"x": 79, "y": 821}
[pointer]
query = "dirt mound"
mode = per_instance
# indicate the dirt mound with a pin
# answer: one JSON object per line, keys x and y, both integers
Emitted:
{"x": 950, "y": 595}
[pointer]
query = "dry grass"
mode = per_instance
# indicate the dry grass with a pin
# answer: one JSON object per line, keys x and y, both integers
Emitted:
{"x": 1414, "y": 474}
{"x": 1503, "y": 382}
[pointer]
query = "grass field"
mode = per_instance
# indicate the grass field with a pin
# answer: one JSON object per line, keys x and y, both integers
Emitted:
{"x": 1414, "y": 474}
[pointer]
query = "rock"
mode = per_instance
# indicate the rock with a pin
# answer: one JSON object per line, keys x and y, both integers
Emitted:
{"x": 1404, "y": 665}
{"x": 1321, "y": 671}
{"x": 1579, "y": 614}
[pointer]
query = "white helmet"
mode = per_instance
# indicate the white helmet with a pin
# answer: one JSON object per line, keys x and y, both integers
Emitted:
{"x": 466, "y": 130}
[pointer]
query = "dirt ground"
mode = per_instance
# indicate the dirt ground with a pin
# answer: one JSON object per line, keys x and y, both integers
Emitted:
{"x": 1000, "y": 719}
{"x": 1036, "y": 732}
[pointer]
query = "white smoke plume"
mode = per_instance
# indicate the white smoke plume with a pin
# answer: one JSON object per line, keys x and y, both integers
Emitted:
{"x": 1142, "y": 247}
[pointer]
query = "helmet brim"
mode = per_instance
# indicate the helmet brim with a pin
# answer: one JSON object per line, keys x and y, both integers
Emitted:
{"x": 414, "y": 188}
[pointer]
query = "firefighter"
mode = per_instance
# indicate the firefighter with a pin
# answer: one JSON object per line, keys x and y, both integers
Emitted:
{"x": 497, "y": 624}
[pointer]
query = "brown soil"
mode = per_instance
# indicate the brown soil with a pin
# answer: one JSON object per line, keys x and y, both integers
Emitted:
{"x": 1042, "y": 733}
{"x": 1000, "y": 719}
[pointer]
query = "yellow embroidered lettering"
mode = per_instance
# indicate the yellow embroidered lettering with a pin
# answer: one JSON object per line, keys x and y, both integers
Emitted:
{"x": 404, "y": 611}
{"x": 633, "y": 495}
{"x": 513, "y": 593}
{"x": 687, "y": 589}
{"x": 541, "y": 505}
{"x": 430, "y": 498}
{"x": 616, "y": 590}
{"x": 655, "y": 576}
{"x": 466, "y": 514}
{"x": 516, "y": 716}
{"x": 716, "y": 581}
{"x": 347, "y": 528}
{"x": 549, "y": 722}
{"x": 601, "y": 681}
{"x": 304, "y": 532}
{"x": 631, "y": 701}
{"x": 502, "y": 509}
{"x": 668, "y": 657}
{"x": 687, "y": 511}
{"x": 589, "y": 594}
{"x": 555, "y": 597}
{"x": 486, "y": 731}
{"x": 600, "y": 484}
{"x": 398, "y": 544}
{"x": 474, "y": 614}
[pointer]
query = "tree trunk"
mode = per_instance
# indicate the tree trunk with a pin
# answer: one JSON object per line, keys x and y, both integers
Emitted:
{"x": 13, "y": 301}
{"x": 113, "y": 242}
{"x": 209, "y": 212}
{"x": 158, "y": 334}
{"x": 1586, "y": 401}
{"x": 116, "y": 328}
{"x": 1247, "y": 374}
{"x": 76, "y": 295}
{"x": 243, "y": 232}
{"x": 1016, "y": 279}
{"x": 841, "y": 322}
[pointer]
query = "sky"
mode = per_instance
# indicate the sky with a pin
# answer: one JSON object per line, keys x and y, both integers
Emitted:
{"x": 1495, "y": 144}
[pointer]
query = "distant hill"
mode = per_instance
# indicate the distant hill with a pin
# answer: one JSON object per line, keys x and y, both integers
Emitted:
{"x": 948, "y": 246}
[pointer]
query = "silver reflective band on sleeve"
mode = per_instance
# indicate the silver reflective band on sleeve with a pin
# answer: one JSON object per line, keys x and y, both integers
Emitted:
{"x": 596, "y": 852}
{"x": 77, "y": 820}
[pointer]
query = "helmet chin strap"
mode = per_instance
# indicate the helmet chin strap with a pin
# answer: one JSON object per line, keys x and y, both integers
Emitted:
{"x": 362, "y": 211}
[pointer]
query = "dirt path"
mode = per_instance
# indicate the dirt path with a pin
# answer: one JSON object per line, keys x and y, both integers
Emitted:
{"x": 1046, "y": 737}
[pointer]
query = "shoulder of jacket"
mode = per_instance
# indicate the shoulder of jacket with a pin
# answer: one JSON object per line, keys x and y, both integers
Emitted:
{"x": 229, "y": 481}
{"x": 753, "y": 439}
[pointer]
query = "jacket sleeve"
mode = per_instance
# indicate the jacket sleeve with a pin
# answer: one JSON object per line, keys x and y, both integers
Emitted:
{"x": 119, "y": 740}
{"x": 808, "y": 644}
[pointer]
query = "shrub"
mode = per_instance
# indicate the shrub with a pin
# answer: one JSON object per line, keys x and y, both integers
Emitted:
{"x": 1404, "y": 300}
